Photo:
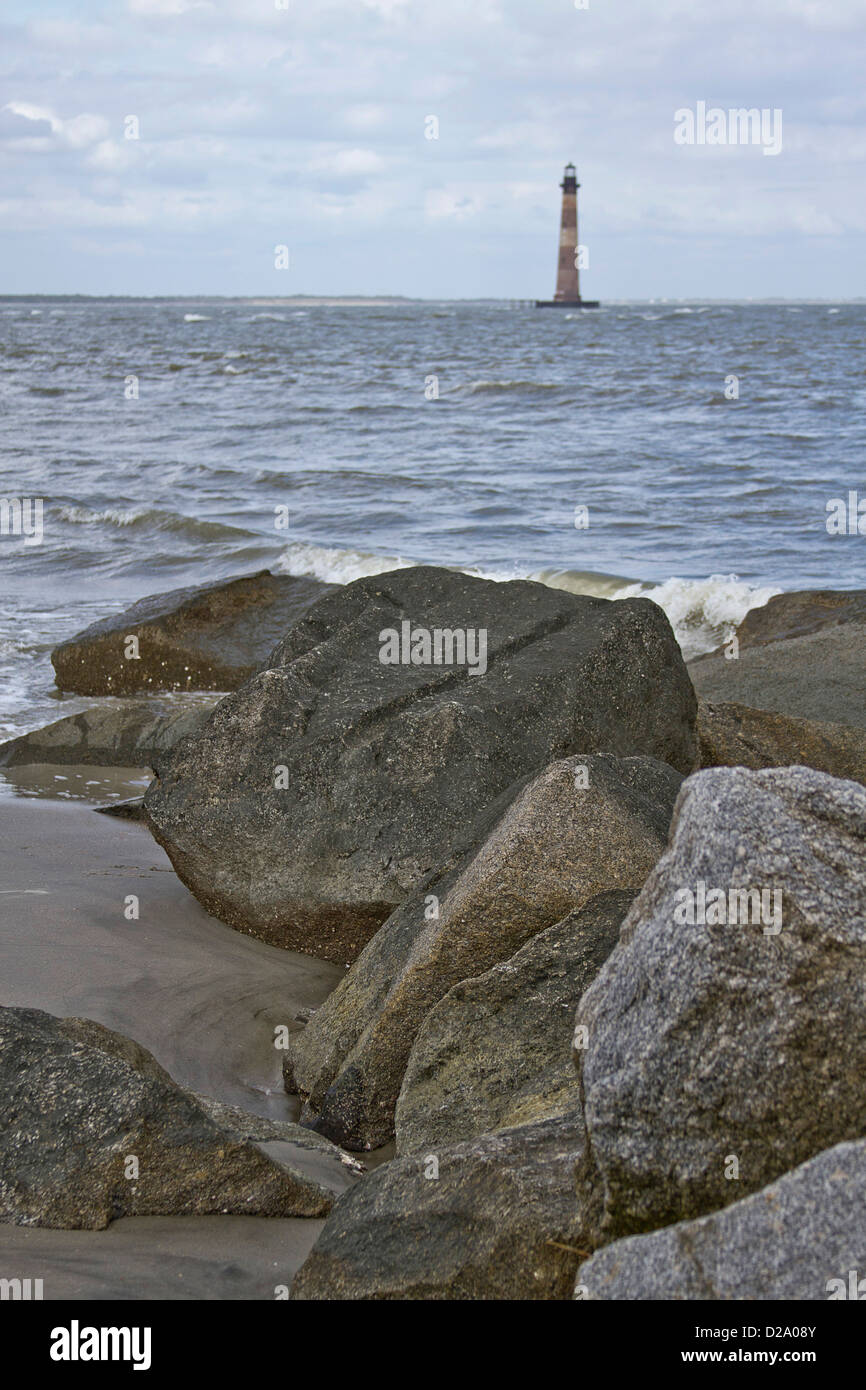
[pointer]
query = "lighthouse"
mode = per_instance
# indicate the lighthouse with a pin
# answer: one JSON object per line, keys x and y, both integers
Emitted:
{"x": 567, "y": 274}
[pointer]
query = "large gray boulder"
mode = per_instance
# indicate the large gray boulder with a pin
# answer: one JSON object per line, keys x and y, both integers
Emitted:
{"x": 724, "y": 1040}
{"x": 495, "y": 1052}
{"x": 733, "y": 735}
{"x": 583, "y": 825}
{"x": 801, "y": 1238}
{"x": 319, "y": 795}
{"x": 117, "y": 735}
{"x": 799, "y": 613}
{"x": 820, "y": 676}
{"x": 211, "y": 637}
{"x": 495, "y": 1218}
{"x": 81, "y": 1103}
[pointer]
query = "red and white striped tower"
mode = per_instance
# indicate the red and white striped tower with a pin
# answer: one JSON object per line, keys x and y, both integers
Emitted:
{"x": 567, "y": 281}
{"x": 567, "y": 278}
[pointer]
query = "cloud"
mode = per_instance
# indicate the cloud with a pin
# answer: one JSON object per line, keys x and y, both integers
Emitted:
{"x": 367, "y": 116}
{"x": 456, "y": 204}
{"x": 261, "y": 126}
{"x": 78, "y": 133}
{"x": 166, "y": 7}
{"x": 353, "y": 162}
{"x": 39, "y": 114}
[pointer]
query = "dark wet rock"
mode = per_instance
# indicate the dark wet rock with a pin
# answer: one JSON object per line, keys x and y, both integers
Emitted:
{"x": 495, "y": 1052}
{"x": 799, "y": 613}
{"x": 718, "y": 1055}
{"x": 495, "y": 1218}
{"x": 820, "y": 676}
{"x": 211, "y": 637}
{"x": 118, "y": 735}
{"x": 80, "y": 1102}
{"x": 130, "y": 809}
{"x": 317, "y": 797}
{"x": 735, "y": 736}
{"x": 801, "y": 1238}
{"x": 584, "y": 825}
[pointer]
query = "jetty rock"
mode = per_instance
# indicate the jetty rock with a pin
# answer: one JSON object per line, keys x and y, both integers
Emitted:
{"x": 113, "y": 735}
{"x": 495, "y": 1052}
{"x": 95, "y": 1129}
{"x": 211, "y": 637}
{"x": 723, "y": 1041}
{"x": 584, "y": 825}
{"x": 732, "y": 735}
{"x": 802, "y": 654}
{"x": 801, "y": 1238}
{"x": 316, "y": 797}
{"x": 494, "y": 1218}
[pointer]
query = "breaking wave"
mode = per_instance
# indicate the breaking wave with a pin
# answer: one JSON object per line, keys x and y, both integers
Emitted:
{"x": 152, "y": 518}
{"x": 702, "y": 612}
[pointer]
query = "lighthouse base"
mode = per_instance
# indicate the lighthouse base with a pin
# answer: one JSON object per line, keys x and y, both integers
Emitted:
{"x": 567, "y": 303}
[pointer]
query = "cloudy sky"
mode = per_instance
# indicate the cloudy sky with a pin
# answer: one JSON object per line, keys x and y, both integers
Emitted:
{"x": 303, "y": 123}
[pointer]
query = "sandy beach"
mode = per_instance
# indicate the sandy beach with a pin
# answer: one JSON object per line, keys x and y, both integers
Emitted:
{"x": 203, "y": 998}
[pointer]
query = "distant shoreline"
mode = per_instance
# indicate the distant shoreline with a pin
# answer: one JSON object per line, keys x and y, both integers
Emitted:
{"x": 378, "y": 301}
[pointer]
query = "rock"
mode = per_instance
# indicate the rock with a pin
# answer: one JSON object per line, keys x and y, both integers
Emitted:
{"x": 319, "y": 795}
{"x": 735, "y": 736}
{"x": 800, "y": 613}
{"x": 106, "y": 736}
{"x": 312, "y": 1149}
{"x": 79, "y": 1101}
{"x": 208, "y": 638}
{"x": 495, "y": 1052}
{"x": 555, "y": 846}
{"x": 132, "y": 808}
{"x": 798, "y": 1239}
{"x": 715, "y": 1049}
{"x": 495, "y": 1218}
{"x": 820, "y": 676}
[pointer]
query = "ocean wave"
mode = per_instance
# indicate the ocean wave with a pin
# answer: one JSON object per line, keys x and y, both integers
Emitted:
{"x": 588, "y": 582}
{"x": 702, "y": 612}
{"x": 153, "y": 518}
{"x": 334, "y": 566}
{"x": 478, "y": 387}
{"x": 196, "y": 318}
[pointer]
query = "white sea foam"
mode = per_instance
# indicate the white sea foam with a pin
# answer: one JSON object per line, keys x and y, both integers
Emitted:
{"x": 84, "y": 516}
{"x": 475, "y": 387}
{"x": 335, "y": 566}
{"x": 196, "y": 318}
{"x": 702, "y": 612}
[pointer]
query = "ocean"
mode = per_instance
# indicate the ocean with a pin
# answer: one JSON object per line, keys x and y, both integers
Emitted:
{"x": 683, "y": 450}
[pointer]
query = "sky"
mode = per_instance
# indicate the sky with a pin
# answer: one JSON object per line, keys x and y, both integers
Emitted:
{"x": 304, "y": 124}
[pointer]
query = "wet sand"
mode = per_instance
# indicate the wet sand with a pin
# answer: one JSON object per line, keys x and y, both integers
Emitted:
{"x": 156, "y": 1257}
{"x": 204, "y": 999}
{"x": 201, "y": 997}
